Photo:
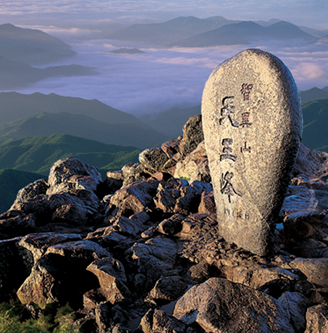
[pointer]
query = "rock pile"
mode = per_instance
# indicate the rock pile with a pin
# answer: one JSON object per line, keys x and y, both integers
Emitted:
{"x": 141, "y": 251}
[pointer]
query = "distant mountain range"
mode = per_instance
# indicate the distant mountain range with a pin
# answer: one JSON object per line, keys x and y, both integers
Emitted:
{"x": 125, "y": 50}
{"x": 313, "y": 94}
{"x": 11, "y": 181}
{"x": 22, "y": 48}
{"x": 33, "y": 47}
{"x": 315, "y": 123}
{"x": 38, "y": 154}
{"x": 16, "y": 75}
{"x": 194, "y": 32}
{"x": 169, "y": 32}
{"x": 38, "y": 114}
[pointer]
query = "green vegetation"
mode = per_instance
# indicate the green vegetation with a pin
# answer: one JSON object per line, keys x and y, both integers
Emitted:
{"x": 315, "y": 122}
{"x": 38, "y": 154}
{"x": 38, "y": 114}
{"x": 56, "y": 321}
{"x": 11, "y": 181}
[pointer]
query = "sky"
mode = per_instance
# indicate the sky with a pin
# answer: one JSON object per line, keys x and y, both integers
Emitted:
{"x": 302, "y": 12}
{"x": 160, "y": 78}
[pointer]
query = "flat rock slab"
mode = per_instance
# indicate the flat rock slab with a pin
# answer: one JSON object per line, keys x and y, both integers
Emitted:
{"x": 252, "y": 123}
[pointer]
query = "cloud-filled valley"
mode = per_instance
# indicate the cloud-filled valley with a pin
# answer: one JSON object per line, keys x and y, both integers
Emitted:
{"x": 162, "y": 78}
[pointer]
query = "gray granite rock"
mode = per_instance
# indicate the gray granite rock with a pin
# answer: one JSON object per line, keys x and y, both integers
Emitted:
{"x": 252, "y": 123}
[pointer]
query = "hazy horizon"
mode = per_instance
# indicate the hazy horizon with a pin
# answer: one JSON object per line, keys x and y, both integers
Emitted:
{"x": 160, "y": 78}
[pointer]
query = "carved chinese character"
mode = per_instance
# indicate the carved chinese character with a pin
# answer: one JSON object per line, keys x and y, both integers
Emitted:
{"x": 227, "y": 150}
{"x": 227, "y": 111}
{"x": 245, "y": 116}
{"x": 227, "y": 187}
{"x": 242, "y": 149}
{"x": 246, "y": 90}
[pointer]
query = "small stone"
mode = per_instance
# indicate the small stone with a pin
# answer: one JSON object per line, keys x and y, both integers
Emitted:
{"x": 252, "y": 123}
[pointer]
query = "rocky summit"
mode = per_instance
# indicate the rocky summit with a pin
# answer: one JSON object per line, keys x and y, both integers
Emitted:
{"x": 252, "y": 122}
{"x": 141, "y": 251}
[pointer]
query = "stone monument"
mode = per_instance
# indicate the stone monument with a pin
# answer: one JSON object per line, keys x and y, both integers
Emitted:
{"x": 252, "y": 122}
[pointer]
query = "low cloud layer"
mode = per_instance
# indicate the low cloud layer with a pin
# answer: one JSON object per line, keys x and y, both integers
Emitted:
{"x": 163, "y": 78}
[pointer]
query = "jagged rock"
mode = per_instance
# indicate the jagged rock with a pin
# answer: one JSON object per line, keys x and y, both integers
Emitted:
{"x": 112, "y": 279}
{"x": 153, "y": 159}
{"x": 133, "y": 198}
{"x": 131, "y": 226}
{"x": 171, "y": 225}
{"x": 92, "y": 298}
{"x": 113, "y": 182}
{"x": 173, "y": 197}
{"x": 16, "y": 223}
{"x": 295, "y": 305}
{"x": 84, "y": 250}
{"x": 66, "y": 207}
{"x": 167, "y": 289}
{"x": 30, "y": 191}
{"x": 192, "y": 135}
{"x": 107, "y": 317}
{"x": 315, "y": 269}
{"x": 153, "y": 258}
{"x": 134, "y": 172}
{"x": 203, "y": 271}
{"x": 72, "y": 174}
{"x": 255, "y": 276}
{"x": 38, "y": 243}
{"x": 194, "y": 166}
{"x": 218, "y": 305}
{"x": 11, "y": 279}
{"x": 310, "y": 163}
{"x": 61, "y": 274}
{"x": 317, "y": 319}
{"x": 170, "y": 166}
{"x": 158, "y": 321}
{"x": 172, "y": 147}
{"x": 207, "y": 204}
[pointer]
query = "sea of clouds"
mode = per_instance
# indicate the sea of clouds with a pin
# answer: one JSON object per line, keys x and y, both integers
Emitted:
{"x": 160, "y": 78}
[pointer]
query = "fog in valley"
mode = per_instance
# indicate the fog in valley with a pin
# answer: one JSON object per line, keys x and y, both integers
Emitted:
{"x": 161, "y": 77}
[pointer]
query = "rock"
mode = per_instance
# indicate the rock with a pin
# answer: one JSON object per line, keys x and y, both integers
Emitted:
{"x": 218, "y": 305}
{"x": 134, "y": 172}
{"x": 12, "y": 277}
{"x": 171, "y": 225}
{"x": 172, "y": 147}
{"x": 203, "y": 271}
{"x": 71, "y": 173}
{"x": 170, "y": 166}
{"x": 167, "y": 289}
{"x": 194, "y": 166}
{"x": 252, "y": 122}
{"x": 30, "y": 191}
{"x": 295, "y": 305}
{"x": 153, "y": 159}
{"x": 192, "y": 135}
{"x": 316, "y": 269}
{"x": 173, "y": 197}
{"x": 152, "y": 258}
{"x": 38, "y": 243}
{"x": 60, "y": 274}
{"x": 133, "y": 198}
{"x": 207, "y": 204}
{"x": 92, "y": 298}
{"x": 84, "y": 250}
{"x": 15, "y": 223}
{"x": 158, "y": 321}
{"x": 317, "y": 319}
{"x": 112, "y": 279}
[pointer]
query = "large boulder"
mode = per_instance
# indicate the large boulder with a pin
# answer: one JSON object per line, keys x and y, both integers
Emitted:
{"x": 252, "y": 121}
{"x": 218, "y": 305}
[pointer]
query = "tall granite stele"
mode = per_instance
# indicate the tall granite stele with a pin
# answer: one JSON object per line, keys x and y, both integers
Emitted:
{"x": 252, "y": 122}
